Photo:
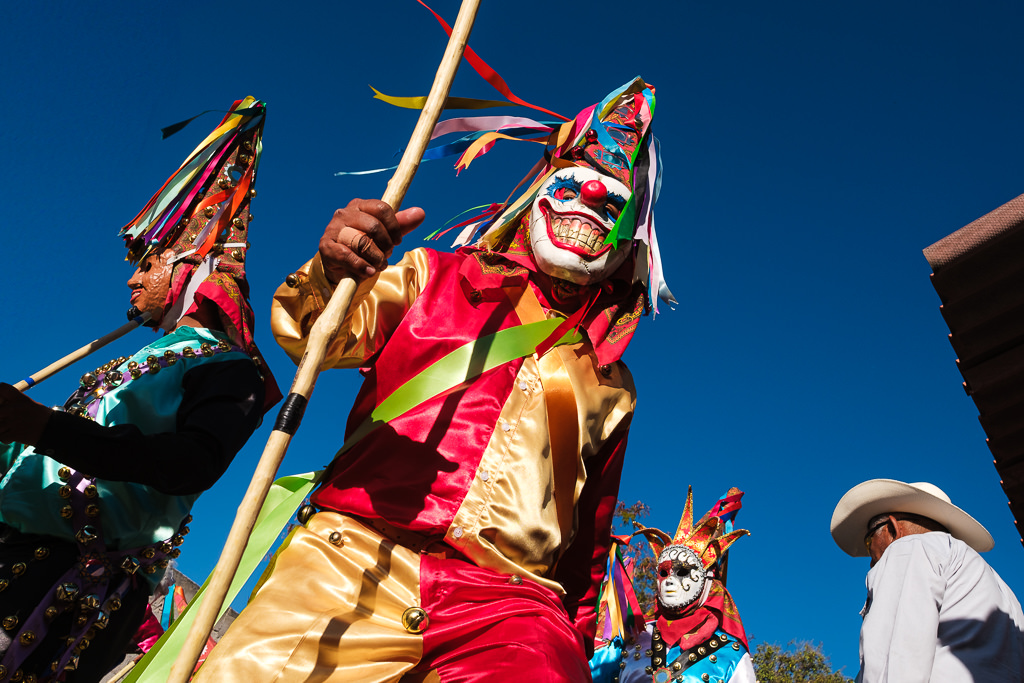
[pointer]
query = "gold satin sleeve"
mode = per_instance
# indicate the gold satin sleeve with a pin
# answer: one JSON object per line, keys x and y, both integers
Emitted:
{"x": 377, "y": 308}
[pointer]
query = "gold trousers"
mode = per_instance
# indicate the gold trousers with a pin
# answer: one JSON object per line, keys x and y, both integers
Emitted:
{"x": 330, "y": 612}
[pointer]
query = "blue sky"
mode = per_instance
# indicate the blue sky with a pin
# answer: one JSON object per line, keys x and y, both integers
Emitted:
{"x": 812, "y": 150}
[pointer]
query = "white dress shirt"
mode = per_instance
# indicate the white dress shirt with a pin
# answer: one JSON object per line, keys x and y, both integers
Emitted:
{"x": 936, "y": 612}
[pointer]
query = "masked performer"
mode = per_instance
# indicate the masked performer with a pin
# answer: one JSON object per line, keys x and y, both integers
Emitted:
{"x": 697, "y": 634}
{"x": 95, "y": 498}
{"x": 465, "y": 538}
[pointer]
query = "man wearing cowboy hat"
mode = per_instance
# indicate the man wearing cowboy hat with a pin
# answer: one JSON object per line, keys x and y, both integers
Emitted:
{"x": 935, "y": 610}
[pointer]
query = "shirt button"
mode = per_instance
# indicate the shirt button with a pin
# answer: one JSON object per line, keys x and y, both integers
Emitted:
{"x": 524, "y": 386}
{"x": 506, "y": 426}
{"x": 457, "y": 533}
{"x": 475, "y": 296}
{"x": 485, "y": 475}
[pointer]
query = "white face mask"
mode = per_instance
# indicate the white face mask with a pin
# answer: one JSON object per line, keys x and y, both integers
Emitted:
{"x": 681, "y": 578}
{"x": 574, "y": 211}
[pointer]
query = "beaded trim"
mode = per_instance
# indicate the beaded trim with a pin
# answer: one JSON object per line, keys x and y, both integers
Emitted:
{"x": 93, "y": 385}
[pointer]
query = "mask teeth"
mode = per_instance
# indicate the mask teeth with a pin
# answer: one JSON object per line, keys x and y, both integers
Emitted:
{"x": 574, "y": 231}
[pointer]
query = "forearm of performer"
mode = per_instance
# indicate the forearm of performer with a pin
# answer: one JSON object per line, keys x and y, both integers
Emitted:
{"x": 377, "y": 309}
{"x": 221, "y": 407}
{"x": 581, "y": 569}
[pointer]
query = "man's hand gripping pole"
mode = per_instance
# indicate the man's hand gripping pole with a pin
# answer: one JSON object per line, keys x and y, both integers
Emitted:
{"x": 320, "y": 336}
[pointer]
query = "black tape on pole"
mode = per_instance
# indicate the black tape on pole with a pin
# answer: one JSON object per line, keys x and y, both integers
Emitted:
{"x": 291, "y": 412}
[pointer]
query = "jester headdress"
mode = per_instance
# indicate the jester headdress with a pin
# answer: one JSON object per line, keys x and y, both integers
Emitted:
{"x": 202, "y": 215}
{"x": 691, "y": 613}
{"x": 614, "y": 138}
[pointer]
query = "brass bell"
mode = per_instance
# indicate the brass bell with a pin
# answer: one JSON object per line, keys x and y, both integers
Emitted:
{"x": 206, "y": 348}
{"x": 10, "y": 623}
{"x": 177, "y": 540}
{"x": 134, "y": 365}
{"x": 692, "y": 657}
{"x": 85, "y": 535}
{"x": 64, "y": 473}
{"x": 247, "y": 145}
{"x": 336, "y": 538}
{"x": 67, "y": 512}
{"x": 415, "y": 620}
{"x": 149, "y": 569}
{"x": 224, "y": 183}
{"x": 221, "y": 346}
{"x": 114, "y": 604}
{"x": 705, "y": 677}
{"x": 67, "y": 592}
{"x": 238, "y": 223}
{"x": 18, "y": 675}
{"x": 27, "y": 637}
{"x": 90, "y": 491}
{"x": 41, "y": 553}
{"x": 19, "y": 568}
{"x": 163, "y": 564}
{"x": 702, "y": 650}
{"x": 251, "y": 219}
{"x": 292, "y": 280}
{"x": 209, "y": 211}
{"x": 238, "y": 254}
{"x": 713, "y": 659}
{"x": 188, "y": 352}
{"x": 3, "y": 584}
{"x": 88, "y": 380}
{"x": 171, "y": 357}
{"x": 252, "y": 193}
{"x": 184, "y": 531}
{"x": 676, "y": 666}
{"x": 188, "y": 518}
{"x": 113, "y": 378}
{"x": 135, "y": 373}
{"x": 174, "y": 553}
{"x": 64, "y": 491}
{"x": 713, "y": 643}
{"x": 50, "y": 612}
{"x": 149, "y": 553}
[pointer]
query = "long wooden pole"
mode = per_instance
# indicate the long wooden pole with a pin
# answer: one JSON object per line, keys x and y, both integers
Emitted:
{"x": 320, "y": 336}
{"x": 58, "y": 365}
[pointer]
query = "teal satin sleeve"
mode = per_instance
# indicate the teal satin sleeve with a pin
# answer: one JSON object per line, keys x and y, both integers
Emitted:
{"x": 604, "y": 665}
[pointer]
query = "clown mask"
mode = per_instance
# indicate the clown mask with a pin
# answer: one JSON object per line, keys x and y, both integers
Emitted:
{"x": 574, "y": 211}
{"x": 681, "y": 578}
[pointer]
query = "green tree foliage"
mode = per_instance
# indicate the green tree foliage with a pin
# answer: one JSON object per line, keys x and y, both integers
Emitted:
{"x": 645, "y": 580}
{"x": 800, "y": 663}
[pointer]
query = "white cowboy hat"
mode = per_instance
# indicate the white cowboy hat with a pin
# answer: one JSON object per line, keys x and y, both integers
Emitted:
{"x": 879, "y": 496}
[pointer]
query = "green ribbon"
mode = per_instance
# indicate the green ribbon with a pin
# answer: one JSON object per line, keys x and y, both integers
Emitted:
{"x": 287, "y": 493}
{"x": 284, "y": 497}
{"x": 461, "y": 365}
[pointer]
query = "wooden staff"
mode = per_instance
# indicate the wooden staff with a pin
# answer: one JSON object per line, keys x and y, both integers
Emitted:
{"x": 320, "y": 336}
{"x": 74, "y": 356}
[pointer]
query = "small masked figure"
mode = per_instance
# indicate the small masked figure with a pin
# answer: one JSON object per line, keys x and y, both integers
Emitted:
{"x": 697, "y": 634}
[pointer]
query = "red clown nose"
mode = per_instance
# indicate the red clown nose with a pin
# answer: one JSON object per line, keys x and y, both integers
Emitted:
{"x": 594, "y": 193}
